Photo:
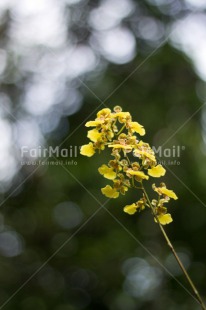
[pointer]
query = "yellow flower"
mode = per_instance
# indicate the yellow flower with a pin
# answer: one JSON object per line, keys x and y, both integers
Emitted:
{"x": 94, "y": 135}
{"x": 164, "y": 191}
{"x": 123, "y": 190}
{"x": 109, "y": 135}
{"x": 120, "y": 146}
{"x": 87, "y": 150}
{"x": 141, "y": 204}
{"x": 137, "y": 173}
{"x": 157, "y": 171}
{"x": 94, "y": 123}
{"x": 122, "y": 116}
{"x": 110, "y": 192}
{"x": 130, "y": 209}
{"x": 145, "y": 152}
{"x": 107, "y": 172}
{"x": 148, "y": 155}
{"x": 136, "y": 127}
{"x": 164, "y": 218}
{"x": 104, "y": 113}
{"x": 168, "y": 193}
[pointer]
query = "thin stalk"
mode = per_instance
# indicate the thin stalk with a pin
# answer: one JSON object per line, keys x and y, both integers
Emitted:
{"x": 175, "y": 253}
{"x": 123, "y": 127}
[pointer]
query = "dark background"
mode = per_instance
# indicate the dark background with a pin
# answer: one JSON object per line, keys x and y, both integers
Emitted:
{"x": 61, "y": 62}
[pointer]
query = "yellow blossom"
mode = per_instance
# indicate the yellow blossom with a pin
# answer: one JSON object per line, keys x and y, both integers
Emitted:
{"x": 110, "y": 192}
{"x": 123, "y": 190}
{"x": 94, "y": 135}
{"x": 87, "y": 150}
{"x": 168, "y": 192}
{"x": 148, "y": 155}
{"x": 122, "y": 116}
{"x": 94, "y": 123}
{"x": 130, "y": 209}
{"x": 104, "y": 113}
{"x": 116, "y": 131}
{"x": 144, "y": 151}
{"x": 164, "y": 191}
{"x": 157, "y": 171}
{"x": 137, "y": 173}
{"x": 109, "y": 135}
{"x": 120, "y": 146}
{"x": 117, "y": 108}
{"x": 107, "y": 172}
{"x": 136, "y": 127}
{"x": 164, "y": 219}
{"x": 141, "y": 204}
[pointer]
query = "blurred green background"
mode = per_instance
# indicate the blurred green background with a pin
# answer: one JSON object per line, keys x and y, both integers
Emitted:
{"x": 61, "y": 62}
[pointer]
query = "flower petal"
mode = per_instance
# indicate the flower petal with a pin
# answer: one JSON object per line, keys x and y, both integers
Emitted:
{"x": 94, "y": 135}
{"x": 104, "y": 113}
{"x": 164, "y": 218}
{"x": 137, "y": 173}
{"x": 168, "y": 192}
{"x": 123, "y": 117}
{"x": 87, "y": 150}
{"x": 157, "y": 171}
{"x": 110, "y": 192}
{"x": 121, "y": 114}
{"x": 130, "y": 209}
{"x": 120, "y": 146}
{"x": 93, "y": 123}
{"x": 136, "y": 127}
{"x": 107, "y": 172}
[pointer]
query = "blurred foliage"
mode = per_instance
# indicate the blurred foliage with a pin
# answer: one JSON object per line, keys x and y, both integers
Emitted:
{"x": 55, "y": 251}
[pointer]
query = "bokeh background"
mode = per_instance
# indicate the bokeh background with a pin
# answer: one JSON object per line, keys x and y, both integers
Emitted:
{"x": 60, "y": 62}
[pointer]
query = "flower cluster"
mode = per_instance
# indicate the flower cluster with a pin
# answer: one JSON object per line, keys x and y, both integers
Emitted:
{"x": 133, "y": 161}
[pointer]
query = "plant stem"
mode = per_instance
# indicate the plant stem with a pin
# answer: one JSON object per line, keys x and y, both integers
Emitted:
{"x": 117, "y": 134}
{"x": 175, "y": 253}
